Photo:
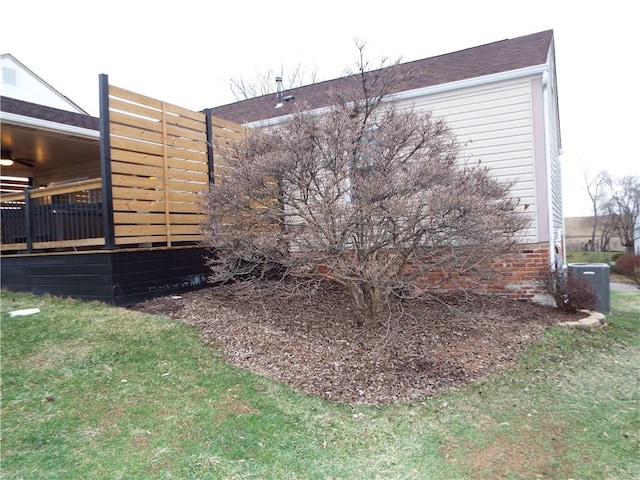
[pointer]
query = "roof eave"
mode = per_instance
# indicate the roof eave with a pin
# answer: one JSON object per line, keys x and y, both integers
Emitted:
{"x": 471, "y": 82}
{"x": 15, "y": 119}
{"x": 431, "y": 90}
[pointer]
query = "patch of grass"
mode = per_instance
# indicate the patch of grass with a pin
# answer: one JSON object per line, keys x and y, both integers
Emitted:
{"x": 579, "y": 256}
{"x": 90, "y": 391}
{"x": 570, "y": 409}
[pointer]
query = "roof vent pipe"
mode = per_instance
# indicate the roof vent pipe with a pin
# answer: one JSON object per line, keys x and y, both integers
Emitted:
{"x": 281, "y": 99}
{"x": 279, "y": 91}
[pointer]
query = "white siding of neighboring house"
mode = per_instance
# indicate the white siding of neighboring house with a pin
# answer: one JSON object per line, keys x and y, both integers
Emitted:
{"x": 17, "y": 81}
{"x": 494, "y": 123}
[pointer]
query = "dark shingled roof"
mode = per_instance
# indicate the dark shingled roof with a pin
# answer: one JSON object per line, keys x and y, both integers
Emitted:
{"x": 41, "y": 112}
{"x": 497, "y": 57}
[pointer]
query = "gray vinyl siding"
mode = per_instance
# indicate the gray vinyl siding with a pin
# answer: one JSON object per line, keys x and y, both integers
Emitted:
{"x": 494, "y": 124}
{"x": 557, "y": 211}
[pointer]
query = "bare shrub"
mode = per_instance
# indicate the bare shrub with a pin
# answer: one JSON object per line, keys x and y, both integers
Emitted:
{"x": 629, "y": 266}
{"x": 363, "y": 194}
{"x": 570, "y": 292}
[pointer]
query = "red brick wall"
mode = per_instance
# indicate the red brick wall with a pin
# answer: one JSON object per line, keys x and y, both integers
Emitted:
{"x": 514, "y": 275}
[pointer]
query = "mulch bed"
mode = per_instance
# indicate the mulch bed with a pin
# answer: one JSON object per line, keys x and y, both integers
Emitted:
{"x": 314, "y": 343}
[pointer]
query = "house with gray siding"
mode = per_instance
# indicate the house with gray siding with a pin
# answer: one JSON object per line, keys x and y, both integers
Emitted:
{"x": 501, "y": 100}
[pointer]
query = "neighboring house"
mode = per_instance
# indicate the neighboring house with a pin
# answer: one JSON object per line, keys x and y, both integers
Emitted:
{"x": 20, "y": 83}
{"x": 112, "y": 210}
{"x": 501, "y": 101}
{"x": 578, "y": 232}
{"x": 46, "y": 138}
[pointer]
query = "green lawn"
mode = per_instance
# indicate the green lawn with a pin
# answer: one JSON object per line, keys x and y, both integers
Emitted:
{"x": 578, "y": 256}
{"x": 90, "y": 391}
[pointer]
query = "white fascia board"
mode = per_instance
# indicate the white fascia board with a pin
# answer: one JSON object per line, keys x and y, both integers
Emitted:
{"x": 421, "y": 92}
{"x": 48, "y": 125}
{"x": 471, "y": 82}
{"x": 269, "y": 122}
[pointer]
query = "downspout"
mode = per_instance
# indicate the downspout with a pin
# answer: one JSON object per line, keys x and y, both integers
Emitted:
{"x": 547, "y": 161}
{"x": 564, "y": 230}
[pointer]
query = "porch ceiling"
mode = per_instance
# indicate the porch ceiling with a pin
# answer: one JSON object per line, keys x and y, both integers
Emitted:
{"x": 45, "y": 150}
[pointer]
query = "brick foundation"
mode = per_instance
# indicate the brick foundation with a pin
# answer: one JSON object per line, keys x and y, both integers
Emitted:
{"x": 515, "y": 275}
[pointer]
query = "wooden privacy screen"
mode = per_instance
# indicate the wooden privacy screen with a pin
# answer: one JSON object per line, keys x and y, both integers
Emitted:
{"x": 225, "y": 135}
{"x": 159, "y": 167}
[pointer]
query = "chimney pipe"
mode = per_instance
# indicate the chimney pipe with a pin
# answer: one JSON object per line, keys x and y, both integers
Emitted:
{"x": 279, "y": 91}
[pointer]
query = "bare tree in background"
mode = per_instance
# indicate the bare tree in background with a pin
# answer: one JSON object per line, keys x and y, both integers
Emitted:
{"x": 596, "y": 188}
{"x": 606, "y": 227}
{"x": 365, "y": 195}
{"x": 623, "y": 206}
{"x": 265, "y": 83}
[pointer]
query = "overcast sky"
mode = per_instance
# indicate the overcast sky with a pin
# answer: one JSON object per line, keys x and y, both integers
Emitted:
{"x": 186, "y": 52}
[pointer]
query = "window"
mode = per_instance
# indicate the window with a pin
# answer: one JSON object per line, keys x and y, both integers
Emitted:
{"x": 8, "y": 76}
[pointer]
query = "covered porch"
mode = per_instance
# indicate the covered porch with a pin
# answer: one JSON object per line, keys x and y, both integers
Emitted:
{"x": 110, "y": 209}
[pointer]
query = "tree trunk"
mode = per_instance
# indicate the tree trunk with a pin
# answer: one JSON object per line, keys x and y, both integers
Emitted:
{"x": 368, "y": 301}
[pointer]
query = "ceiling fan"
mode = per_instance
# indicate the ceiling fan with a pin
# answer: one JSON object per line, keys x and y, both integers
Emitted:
{"x": 6, "y": 160}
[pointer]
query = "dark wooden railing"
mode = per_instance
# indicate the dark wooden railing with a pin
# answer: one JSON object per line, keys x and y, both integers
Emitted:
{"x": 61, "y": 217}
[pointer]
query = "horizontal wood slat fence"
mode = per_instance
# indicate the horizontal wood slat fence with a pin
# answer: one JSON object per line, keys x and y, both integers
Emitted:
{"x": 161, "y": 161}
{"x": 159, "y": 167}
{"x": 225, "y": 135}
{"x": 156, "y": 161}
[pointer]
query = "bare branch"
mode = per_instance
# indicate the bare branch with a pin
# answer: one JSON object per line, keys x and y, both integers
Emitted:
{"x": 264, "y": 83}
{"x": 623, "y": 206}
{"x": 365, "y": 194}
{"x": 596, "y": 189}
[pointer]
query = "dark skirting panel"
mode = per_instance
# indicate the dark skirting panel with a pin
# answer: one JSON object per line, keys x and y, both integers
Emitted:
{"x": 116, "y": 277}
